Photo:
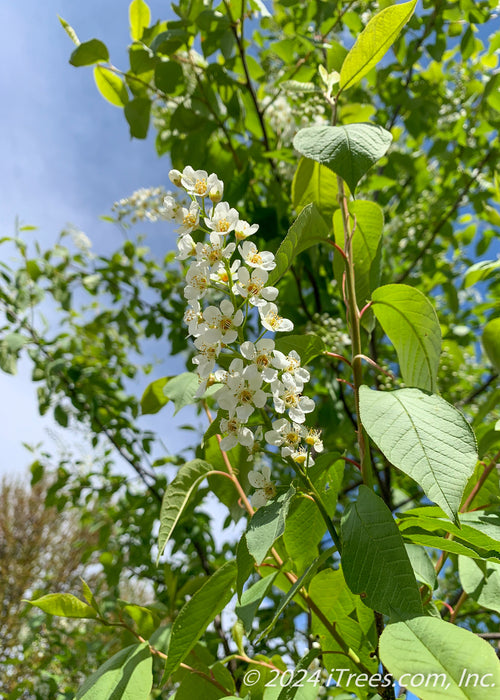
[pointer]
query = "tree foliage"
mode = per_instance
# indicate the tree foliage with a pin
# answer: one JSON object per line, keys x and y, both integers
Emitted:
{"x": 362, "y": 140}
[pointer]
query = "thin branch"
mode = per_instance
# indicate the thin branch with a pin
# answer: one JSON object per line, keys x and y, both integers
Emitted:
{"x": 439, "y": 225}
{"x": 478, "y": 391}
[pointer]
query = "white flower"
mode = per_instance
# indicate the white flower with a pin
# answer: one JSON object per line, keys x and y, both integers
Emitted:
{"x": 175, "y": 177}
{"x": 242, "y": 393}
{"x": 290, "y": 364}
{"x": 261, "y": 480}
{"x": 285, "y": 435}
{"x": 194, "y": 320}
{"x": 238, "y": 433}
{"x": 80, "y": 240}
{"x": 302, "y": 457}
{"x": 186, "y": 247}
{"x": 190, "y": 219}
{"x": 221, "y": 276}
{"x": 216, "y": 190}
{"x": 172, "y": 210}
{"x": 252, "y": 257}
{"x": 253, "y": 288}
{"x": 214, "y": 252}
{"x": 271, "y": 320}
{"x": 197, "y": 281}
{"x": 260, "y": 354}
{"x": 222, "y": 219}
{"x": 254, "y": 449}
{"x": 243, "y": 229}
{"x": 209, "y": 346}
{"x": 224, "y": 320}
{"x": 287, "y": 397}
{"x": 197, "y": 182}
{"x": 313, "y": 439}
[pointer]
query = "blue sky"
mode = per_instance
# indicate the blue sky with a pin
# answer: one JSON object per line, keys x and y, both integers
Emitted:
{"x": 66, "y": 157}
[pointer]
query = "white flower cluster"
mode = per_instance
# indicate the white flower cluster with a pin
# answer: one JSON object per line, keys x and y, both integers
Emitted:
{"x": 237, "y": 271}
{"x": 146, "y": 204}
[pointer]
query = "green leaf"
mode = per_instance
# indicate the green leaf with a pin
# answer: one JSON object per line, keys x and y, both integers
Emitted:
{"x": 111, "y": 86}
{"x": 267, "y": 524}
{"x": 350, "y": 150}
{"x": 365, "y": 247}
{"x": 88, "y": 595}
{"x": 491, "y": 342}
{"x": 251, "y": 600}
{"x": 154, "y": 397}
{"x": 61, "y": 416}
{"x": 145, "y": 622}
{"x": 308, "y": 229}
{"x": 331, "y": 594}
{"x": 69, "y": 31}
{"x": 308, "y": 346}
{"x": 481, "y": 581}
{"x": 169, "y": 77}
{"x": 198, "y": 613}
{"x": 139, "y": 17}
{"x": 481, "y": 271}
{"x": 410, "y": 321}
{"x": 316, "y": 183}
{"x": 301, "y": 582}
{"x": 88, "y": 53}
{"x": 137, "y": 113}
{"x": 478, "y": 535}
{"x": 14, "y": 341}
{"x": 64, "y": 605}
{"x": 245, "y": 565}
{"x": 181, "y": 390}
{"x": 304, "y": 531}
{"x": 374, "y": 559}
{"x": 373, "y": 42}
{"x": 422, "y": 565}
{"x": 289, "y": 691}
{"x": 127, "y": 675}
{"x": 176, "y": 496}
{"x": 426, "y": 438}
{"x": 427, "y": 645}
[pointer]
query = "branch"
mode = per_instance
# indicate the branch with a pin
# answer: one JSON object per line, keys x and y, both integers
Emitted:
{"x": 439, "y": 225}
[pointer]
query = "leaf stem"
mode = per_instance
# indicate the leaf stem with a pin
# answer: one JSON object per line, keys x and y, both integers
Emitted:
{"x": 303, "y": 476}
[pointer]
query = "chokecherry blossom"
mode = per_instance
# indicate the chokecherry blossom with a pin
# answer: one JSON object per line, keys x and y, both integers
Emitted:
{"x": 252, "y": 286}
{"x": 224, "y": 320}
{"x": 291, "y": 365}
{"x": 237, "y": 433}
{"x": 260, "y": 372}
{"x": 215, "y": 251}
{"x": 198, "y": 281}
{"x": 222, "y": 219}
{"x": 270, "y": 318}
{"x": 216, "y": 190}
{"x": 287, "y": 397}
{"x": 255, "y": 258}
{"x": 261, "y": 480}
{"x": 261, "y": 354}
{"x": 197, "y": 182}
{"x": 193, "y": 318}
{"x": 285, "y": 435}
{"x": 242, "y": 393}
{"x": 313, "y": 439}
{"x": 186, "y": 247}
{"x": 243, "y": 230}
{"x": 190, "y": 219}
{"x": 209, "y": 346}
